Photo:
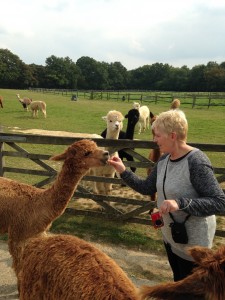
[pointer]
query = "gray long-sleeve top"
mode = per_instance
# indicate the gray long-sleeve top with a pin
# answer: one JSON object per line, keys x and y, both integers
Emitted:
{"x": 190, "y": 181}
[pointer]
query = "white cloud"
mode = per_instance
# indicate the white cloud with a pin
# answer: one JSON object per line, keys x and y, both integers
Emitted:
{"x": 132, "y": 32}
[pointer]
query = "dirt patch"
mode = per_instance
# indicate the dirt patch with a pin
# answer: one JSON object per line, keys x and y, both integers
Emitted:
{"x": 56, "y": 133}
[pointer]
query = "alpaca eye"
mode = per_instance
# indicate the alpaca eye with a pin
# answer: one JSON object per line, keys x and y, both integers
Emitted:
{"x": 87, "y": 153}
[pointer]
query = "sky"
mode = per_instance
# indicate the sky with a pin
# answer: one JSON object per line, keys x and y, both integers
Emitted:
{"x": 132, "y": 32}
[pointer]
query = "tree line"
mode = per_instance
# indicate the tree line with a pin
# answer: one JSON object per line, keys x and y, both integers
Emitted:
{"x": 89, "y": 74}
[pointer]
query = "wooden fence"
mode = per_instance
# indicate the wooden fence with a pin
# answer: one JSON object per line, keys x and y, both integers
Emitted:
{"x": 14, "y": 146}
{"x": 194, "y": 99}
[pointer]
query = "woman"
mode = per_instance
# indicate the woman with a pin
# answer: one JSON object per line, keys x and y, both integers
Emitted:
{"x": 185, "y": 184}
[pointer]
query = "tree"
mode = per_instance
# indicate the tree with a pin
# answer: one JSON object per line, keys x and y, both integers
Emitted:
{"x": 94, "y": 75}
{"x": 118, "y": 76}
{"x": 13, "y": 72}
{"x": 61, "y": 72}
{"x": 215, "y": 77}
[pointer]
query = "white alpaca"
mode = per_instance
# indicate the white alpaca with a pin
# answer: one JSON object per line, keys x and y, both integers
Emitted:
{"x": 144, "y": 117}
{"x": 25, "y": 101}
{"x": 114, "y": 120}
{"x": 36, "y": 106}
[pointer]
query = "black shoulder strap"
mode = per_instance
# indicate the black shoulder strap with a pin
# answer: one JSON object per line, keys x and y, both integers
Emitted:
{"x": 172, "y": 217}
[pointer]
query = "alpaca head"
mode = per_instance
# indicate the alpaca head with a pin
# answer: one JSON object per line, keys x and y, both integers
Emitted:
{"x": 207, "y": 280}
{"x": 175, "y": 104}
{"x": 132, "y": 117}
{"x": 114, "y": 120}
{"x": 85, "y": 151}
{"x": 152, "y": 118}
{"x": 210, "y": 271}
{"x": 136, "y": 105}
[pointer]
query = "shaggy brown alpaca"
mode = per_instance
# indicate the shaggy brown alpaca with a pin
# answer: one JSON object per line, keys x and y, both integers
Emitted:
{"x": 175, "y": 104}
{"x": 1, "y": 101}
{"x": 206, "y": 282}
{"x": 65, "y": 267}
{"x": 154, "y": 154}
{"x": 26, "y": 211}
{"x": 36, "y": 106}
{"x": 25, "y": 101}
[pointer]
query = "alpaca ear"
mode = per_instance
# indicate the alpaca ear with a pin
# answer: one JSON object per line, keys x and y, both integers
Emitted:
{"x": 151, "y": 115}
{"x": 200, "y": 254}
{"x": 104, "y": 118}
{"x": 126, "y": 116}
{"x": 59, "y": 157}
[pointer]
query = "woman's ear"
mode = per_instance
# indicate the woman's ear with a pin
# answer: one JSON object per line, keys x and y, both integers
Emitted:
{"x": 173, "y": 135}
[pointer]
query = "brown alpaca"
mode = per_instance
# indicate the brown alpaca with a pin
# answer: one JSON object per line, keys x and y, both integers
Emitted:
{"x": 65, "y": 267}
{"x": 1, "y": 101}
{"x": 206, "y": 282}
{"x": 154, "y": 154}
{"x": 175, "y": 104}
{"x": 36, "y": 106}
{"x": 25, "y": 101}
{"x": 26, "y": 211}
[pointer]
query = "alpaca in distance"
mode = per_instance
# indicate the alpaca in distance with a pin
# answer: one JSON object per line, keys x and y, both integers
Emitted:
{"x": 175, "y": 104}
{"x": 27, "y": 211}
{"x": 24, "y": 101}
{"x": 36, "y": 106}
{"x": 143, "y": 122}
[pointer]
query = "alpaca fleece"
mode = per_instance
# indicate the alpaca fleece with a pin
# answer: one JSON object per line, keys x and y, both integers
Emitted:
{"x": 62, "y": 267}
{"x": 206, "y": 282}
{"x": 27, "y": 211}
{"x": 175, "y": 104}
{"x": 114, "y": 120}
{"x": 1, "y": 101}
{"x": 132, "y": 118}
{"x": 36, "y": 106}
{"x": 143, "y": 122}
{"x": 25, "y": 101}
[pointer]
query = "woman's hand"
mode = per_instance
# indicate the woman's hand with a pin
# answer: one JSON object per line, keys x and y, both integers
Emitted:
{"x": 117, "y": 163}
{"x": 168, "y": 206}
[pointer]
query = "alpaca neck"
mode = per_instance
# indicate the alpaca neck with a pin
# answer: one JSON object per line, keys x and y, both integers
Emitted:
{"x": 155, "y": 155}
{"x": 130, "y": 132}
{"x": 112, "y": 135}
{"x": 65, "y": 184}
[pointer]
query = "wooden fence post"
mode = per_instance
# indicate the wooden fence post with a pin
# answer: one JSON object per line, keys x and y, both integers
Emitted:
{"x": 194, "y": 101}
{"x": 1, "y": 159}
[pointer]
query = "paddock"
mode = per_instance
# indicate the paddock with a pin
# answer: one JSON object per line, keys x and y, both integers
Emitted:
{"x": 137, "y": 209}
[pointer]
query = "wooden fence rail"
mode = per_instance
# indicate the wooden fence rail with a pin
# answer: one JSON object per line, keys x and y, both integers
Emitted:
{"x": 193, "y": 99}
{"x": 14, "y": 146}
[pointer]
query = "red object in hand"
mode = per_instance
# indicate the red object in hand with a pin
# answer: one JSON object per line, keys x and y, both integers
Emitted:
{"x": 157, "y": 220}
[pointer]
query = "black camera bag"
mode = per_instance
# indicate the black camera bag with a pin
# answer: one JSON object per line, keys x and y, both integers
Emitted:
{"x": 178, "y": 230}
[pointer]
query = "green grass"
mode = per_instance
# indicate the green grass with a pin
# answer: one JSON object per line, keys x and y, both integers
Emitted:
{"x": 205, "y": 126}
{"x": 132, "y": 235}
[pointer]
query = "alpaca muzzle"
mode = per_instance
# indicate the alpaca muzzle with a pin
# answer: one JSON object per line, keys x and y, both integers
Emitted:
{"x": 105, "y": 157}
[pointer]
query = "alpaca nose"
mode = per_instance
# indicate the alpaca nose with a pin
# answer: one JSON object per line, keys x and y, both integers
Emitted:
{"x": 106, "y": 154}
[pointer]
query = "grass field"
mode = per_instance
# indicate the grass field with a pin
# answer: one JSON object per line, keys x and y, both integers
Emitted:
{"x": 85, "y": 116}
{"x": 205, "y": 125}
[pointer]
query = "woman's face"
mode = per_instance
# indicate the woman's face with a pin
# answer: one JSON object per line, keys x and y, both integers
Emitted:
{"x": 163, "y": 140}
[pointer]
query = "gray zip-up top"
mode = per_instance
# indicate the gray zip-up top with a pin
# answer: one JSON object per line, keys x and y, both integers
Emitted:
{"x": 191, "y": 182}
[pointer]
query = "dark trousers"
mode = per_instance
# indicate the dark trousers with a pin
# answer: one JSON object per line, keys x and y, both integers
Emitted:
{"x": 181, "y": 268}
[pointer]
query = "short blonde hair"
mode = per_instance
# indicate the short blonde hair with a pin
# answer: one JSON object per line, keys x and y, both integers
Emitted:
{"x": 172, "y": 121}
